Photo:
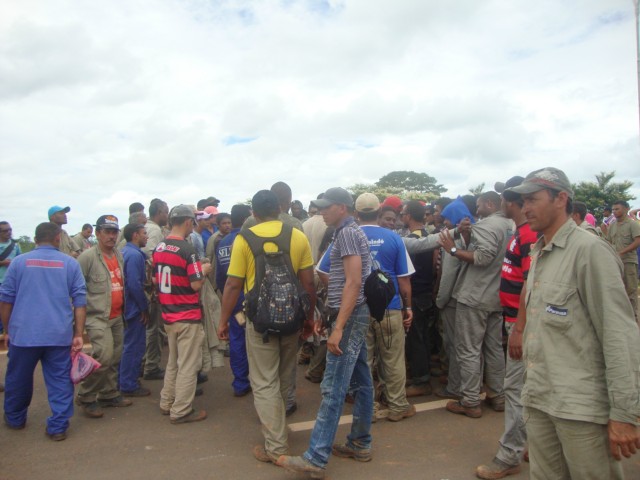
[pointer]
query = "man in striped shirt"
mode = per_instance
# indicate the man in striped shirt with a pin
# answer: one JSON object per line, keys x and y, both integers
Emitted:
{"x": 178, "y": 277}
{"x": 515, "y": 267}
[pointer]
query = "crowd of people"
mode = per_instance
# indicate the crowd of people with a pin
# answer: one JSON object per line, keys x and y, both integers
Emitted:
{"x": 515, "y": 298}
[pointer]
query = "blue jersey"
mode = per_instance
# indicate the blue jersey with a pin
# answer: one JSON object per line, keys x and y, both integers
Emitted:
{"x": 223, "y": 257}
{"x": 387, "y": 252}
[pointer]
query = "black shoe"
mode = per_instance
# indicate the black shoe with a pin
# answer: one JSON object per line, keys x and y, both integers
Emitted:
{"x": 56, "y": 437}
{"x": 157, "y": 374}
{"x": 291, "y": 410}
{"x": 202, "y": 378}
{"x": 242, "y": 393}
{"x": 199, "y": 392}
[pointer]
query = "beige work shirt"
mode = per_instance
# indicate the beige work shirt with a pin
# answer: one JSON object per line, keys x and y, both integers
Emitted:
{"x": 621, "y": 234}
{"x": 581, "y": 342}
{"x": 68, "y": 246}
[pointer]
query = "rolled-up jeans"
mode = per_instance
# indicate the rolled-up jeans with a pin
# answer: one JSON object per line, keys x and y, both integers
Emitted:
{"x": 346, "y": 372}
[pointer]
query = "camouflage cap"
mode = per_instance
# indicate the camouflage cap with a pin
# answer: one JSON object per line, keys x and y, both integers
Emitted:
{"x": 548, "y": 177}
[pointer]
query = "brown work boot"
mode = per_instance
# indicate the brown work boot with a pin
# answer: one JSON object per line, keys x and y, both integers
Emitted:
{"x": 396, "y": 417}
{"x": 262, "y": 455}
{"x": 495, "y": 470}
{"x": 460, "y": 409}
{"x": 418, "y": 390}
{"x": 497, "y": 403}
{"x": 194, "y": 416}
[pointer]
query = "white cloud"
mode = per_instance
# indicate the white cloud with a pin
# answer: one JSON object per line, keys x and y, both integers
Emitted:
{"x": 104, "y": 103}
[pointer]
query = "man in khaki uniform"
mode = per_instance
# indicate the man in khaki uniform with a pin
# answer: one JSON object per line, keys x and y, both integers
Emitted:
{"x": 581, "y": 345}
{"x": 579, "y": 215}
{"x": 58, "y": 215}
{"x": 156, "y": 224}
{"x": 624, "y": 235}
{"x": 102, "y": 267}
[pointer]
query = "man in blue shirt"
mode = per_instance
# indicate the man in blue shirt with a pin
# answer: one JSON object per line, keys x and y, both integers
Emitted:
{"x": 136, "y": 311}
{"x": 47, "y": 278}
{"x": 9, "y": 249}
{"x": 237, "y": 348}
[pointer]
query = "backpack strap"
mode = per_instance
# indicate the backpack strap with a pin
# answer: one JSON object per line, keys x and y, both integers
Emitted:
{"x": 7, "y": 251}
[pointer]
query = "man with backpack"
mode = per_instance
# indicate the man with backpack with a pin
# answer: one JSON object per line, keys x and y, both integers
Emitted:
{"x": 273, "y": 261}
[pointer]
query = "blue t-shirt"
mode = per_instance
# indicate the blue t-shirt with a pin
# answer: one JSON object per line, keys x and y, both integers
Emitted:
{"x": 387, "y": 251}
{"x": 223, "y": 257}
{"x": 39, "y": 285}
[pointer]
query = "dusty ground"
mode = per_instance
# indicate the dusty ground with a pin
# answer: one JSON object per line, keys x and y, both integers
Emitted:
{"x": 138, "y": 443}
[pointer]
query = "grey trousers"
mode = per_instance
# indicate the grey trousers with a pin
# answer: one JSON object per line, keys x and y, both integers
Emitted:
{"x": 448, "y": 317}
{"x": 153, "y": 351}
{"x": 514, "y": 437}
{"x": 561, "y": 449}
{"x": 479, "y": 336}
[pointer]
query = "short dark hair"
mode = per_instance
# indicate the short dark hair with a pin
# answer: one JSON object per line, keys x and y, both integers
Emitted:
{"x": 416, "y": 210}
{"x": 136, "y": 207}
{"x": 283, "y": 192}
{"x": 202, "y": 204}
{"x": 155, "y": 206}
{"x": 442, "y": 202}
{"x": 265, "y": 204}
{"x": 46, "y": 232}
{"x": 239, "y": 213}
{"x": 490, "y": 196}
{"x": 580, "y": 208}
{"x": 130, "y": 229}
{"x": 4, "y": 222}
{"x": 368, "y": 216}
{"x": 385, "y": 209}
{"x": 623, "y": 203}
{"x": 222, "y": 216}
{"x": 554, "y": 193}
{"x": 470, "y": 202}
{"x": 178, "y": 220}
{"x": 87, "y": 225}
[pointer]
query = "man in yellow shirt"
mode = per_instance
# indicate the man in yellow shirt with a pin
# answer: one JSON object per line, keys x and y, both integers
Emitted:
{"x": 272, "y": 357}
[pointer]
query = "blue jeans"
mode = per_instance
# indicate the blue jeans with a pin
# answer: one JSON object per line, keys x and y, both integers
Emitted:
{"x": 134, "y": 344}
{"x": 238, "y": 357}
{"x": 56, "y": 368}
{"x": 343, "y": 373}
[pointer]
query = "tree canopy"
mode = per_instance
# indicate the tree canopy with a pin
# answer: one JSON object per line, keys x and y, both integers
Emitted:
{"x": 602, "y": 192}
{"x": 408, "y": 185}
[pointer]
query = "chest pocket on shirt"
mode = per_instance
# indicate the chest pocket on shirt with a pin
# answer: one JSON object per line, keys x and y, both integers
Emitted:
{"x": 99, "y": 283}
{"x": 558, "y": 304}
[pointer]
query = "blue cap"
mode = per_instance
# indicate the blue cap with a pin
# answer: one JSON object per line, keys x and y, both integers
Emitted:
{"x": 55, "y": 209}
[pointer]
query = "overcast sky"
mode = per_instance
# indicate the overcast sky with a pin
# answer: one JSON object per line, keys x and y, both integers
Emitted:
{"x": 106, "y": 103}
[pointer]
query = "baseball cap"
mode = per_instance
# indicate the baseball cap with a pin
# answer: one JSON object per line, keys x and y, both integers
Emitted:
{"x": 367, "y": 202}
{"x": 393, "y": 202}
{"x": 504, "y": 188}
{"x": 203, "y": 215}
{"x": 55, "y": 209}
{"x": 333, "y": 196}
{"x": 182, "y": 211}
{"x": 211, "y": 210}
{"x": 548, "y": 177}
{"x": 107, "y": 222}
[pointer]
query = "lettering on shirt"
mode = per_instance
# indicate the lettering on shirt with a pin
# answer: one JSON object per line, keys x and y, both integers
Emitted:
{"x": 378, "y": 242}
{"x": 45, "y": 263}
{"x": 170, "y": 248}
{"x": 557, "y": 310}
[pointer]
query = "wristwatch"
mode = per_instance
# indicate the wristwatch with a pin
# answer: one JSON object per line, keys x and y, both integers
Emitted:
{"x": 453, "y": 251}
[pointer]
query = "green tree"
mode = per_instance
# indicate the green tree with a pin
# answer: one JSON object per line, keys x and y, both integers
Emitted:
{"x": 602, "y": 192}
{"x": 26, "y": 244}
{"x": 477, "y": 190}
{"x": 410, "y": 181}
